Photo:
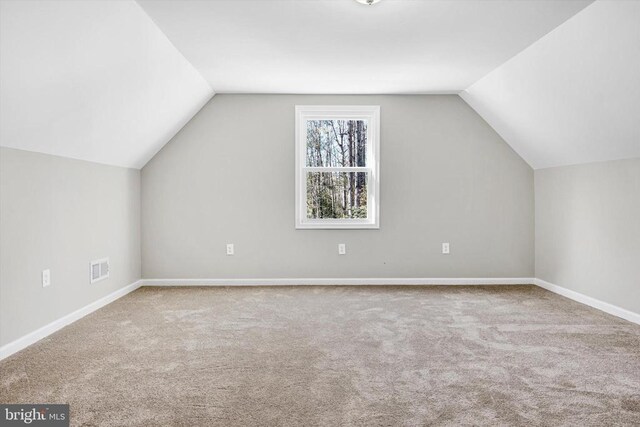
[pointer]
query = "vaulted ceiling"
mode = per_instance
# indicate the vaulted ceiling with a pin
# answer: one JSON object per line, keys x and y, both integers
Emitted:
{"x": 574, "y": 95}
{"x": 113, "y": 81}
{"x": 93, "y": 80}
{"x": 341, "y": 46}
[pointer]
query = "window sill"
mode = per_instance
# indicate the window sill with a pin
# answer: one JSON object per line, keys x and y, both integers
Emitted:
{"x": 337, "y": 226}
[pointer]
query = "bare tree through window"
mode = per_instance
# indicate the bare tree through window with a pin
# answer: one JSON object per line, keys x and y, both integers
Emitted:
{"x": 336, "y": 144}
{"x": 337, "y": 163}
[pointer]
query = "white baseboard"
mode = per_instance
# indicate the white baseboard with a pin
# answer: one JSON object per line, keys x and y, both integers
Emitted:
{"x": 337, "y": 281}
{"x": 592, "y": 302}
{"x": 31, "y": 338}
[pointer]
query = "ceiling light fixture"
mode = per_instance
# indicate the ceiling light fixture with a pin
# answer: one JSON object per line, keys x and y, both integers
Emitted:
{"x": 368, "y": 2}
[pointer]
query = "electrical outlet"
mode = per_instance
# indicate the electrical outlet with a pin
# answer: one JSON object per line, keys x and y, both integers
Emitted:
{"x": 342, "y": 249}
{"x": 46, "y": 278}
{"x": 445, "y": 248}
{"x": 230, "y": 250}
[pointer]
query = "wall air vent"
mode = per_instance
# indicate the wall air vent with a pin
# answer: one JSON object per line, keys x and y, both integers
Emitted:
{"x": 99, "y": 269}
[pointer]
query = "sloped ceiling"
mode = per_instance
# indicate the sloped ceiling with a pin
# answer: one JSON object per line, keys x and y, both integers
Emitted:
{"x": 574, "y": 95}
{"x": 341, "y": 46}
{"x": 92, "y": 80}
{"x": 98, "y": 80}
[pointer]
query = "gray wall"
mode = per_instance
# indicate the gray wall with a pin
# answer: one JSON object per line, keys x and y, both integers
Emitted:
{"x": 588, "y": 230}
{"x": 228, "y": 177}
{"x": 60, "y": 213}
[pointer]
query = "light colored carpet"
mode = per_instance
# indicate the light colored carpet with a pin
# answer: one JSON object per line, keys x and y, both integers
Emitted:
{"x": 504, "y": 355}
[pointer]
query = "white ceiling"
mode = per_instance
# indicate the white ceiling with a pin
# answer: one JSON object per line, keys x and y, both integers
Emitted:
{"x": 92, "y": 80}
{"x": 340, "y": 46}
{"x": 97, "y": 80}
{"x": 573, "y": 96}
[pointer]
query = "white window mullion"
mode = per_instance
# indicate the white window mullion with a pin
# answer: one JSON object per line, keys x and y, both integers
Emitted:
{"x": 337, "y": 169}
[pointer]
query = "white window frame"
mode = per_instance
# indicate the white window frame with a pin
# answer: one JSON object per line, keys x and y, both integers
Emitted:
{"x": 370, "y": 113}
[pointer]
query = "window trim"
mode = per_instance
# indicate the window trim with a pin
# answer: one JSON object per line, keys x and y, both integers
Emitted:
{"x": 371, "y": 113}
